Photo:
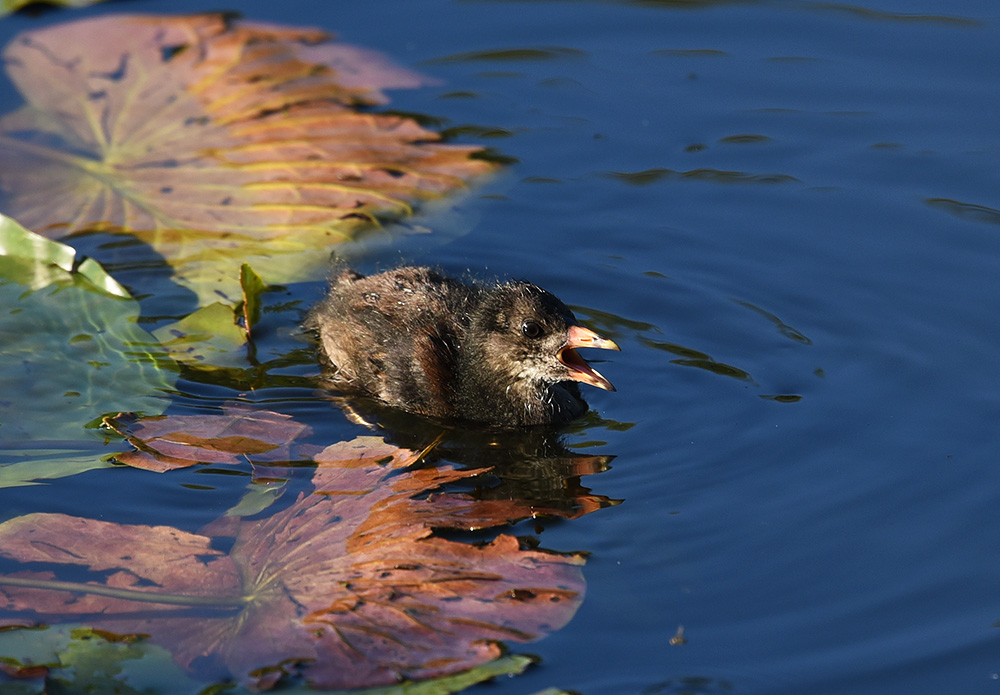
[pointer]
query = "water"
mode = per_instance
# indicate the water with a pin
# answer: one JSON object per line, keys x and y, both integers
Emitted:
{"x": 787, "y": 215}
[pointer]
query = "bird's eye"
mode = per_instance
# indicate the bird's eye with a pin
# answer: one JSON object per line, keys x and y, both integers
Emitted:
{"x": 531, "y": 329}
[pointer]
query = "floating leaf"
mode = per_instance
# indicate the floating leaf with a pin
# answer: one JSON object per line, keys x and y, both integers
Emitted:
{"x": 216, "y": 141}
{"x": 238, "y": 435}
{"x": 72, "y": 351}
{"x": 305, "y": 590}
{"x": 49, "y": 257}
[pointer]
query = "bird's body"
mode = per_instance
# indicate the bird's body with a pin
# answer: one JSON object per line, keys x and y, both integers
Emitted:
{"x": 503, "y": 355}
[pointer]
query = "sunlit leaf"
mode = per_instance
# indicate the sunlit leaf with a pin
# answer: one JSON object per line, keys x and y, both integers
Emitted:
{"x": 253, "y": 287}
{"x": 218, "y": 142}
{"x": 304, "y": 591}
{"x": 48, "y": 258}
{"x": 72, "y": 351}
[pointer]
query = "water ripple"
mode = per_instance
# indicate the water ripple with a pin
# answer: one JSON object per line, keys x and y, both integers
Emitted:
{"x": 967, "y": 211}
{"x": 648, "y": 176}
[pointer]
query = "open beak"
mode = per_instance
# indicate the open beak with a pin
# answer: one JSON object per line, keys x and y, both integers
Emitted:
{"x": 579, "y": 370}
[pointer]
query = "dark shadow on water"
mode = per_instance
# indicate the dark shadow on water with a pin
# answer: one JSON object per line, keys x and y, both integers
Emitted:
{"x": 531, "y": 464}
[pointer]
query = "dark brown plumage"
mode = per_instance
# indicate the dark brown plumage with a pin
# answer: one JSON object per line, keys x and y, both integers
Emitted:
{"x": 503, "y": 355}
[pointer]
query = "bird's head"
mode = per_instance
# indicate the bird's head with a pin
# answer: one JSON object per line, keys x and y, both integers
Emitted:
{"x": 531, "y": 338}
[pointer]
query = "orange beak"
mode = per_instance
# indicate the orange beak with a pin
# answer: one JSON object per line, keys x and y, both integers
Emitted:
{"x": 579, "y": 370}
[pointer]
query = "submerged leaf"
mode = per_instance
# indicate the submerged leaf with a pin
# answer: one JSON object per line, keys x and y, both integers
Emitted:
{"x": 238, "y": 435}
{"x": 208, "y": 337}
{"x": 36, "y": 465}
{"x": 63, "y": 659}
{"x": 72, "y": 351}
{"x": 215, "y": 141}
{"x": 303, "y": 591}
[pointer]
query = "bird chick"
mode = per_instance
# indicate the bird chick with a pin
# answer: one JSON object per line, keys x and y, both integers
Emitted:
{"x": 504, "y": 355}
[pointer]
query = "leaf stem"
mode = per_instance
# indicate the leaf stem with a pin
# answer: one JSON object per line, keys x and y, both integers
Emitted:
{"x": 127, "y": 594}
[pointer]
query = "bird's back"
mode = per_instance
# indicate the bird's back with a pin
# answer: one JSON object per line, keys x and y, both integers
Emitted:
{"x": 395, "y": 335}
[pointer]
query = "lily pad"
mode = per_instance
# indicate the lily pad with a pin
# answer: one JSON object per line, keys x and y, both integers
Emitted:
{"x": 216, "y": 141}
{"x": 72, "y": 352}
{"x": 311, "y": 591}
{"x": 50, "y": 261}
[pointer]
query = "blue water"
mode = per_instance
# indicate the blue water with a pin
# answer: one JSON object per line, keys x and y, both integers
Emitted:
{"x": 788, "y": 216}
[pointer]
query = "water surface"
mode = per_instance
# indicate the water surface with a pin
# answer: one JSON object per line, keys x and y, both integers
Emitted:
{"x": 787, "y": 215}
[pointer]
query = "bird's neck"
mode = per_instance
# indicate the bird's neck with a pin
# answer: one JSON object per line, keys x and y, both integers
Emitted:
{"x": 492, "y": 395}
